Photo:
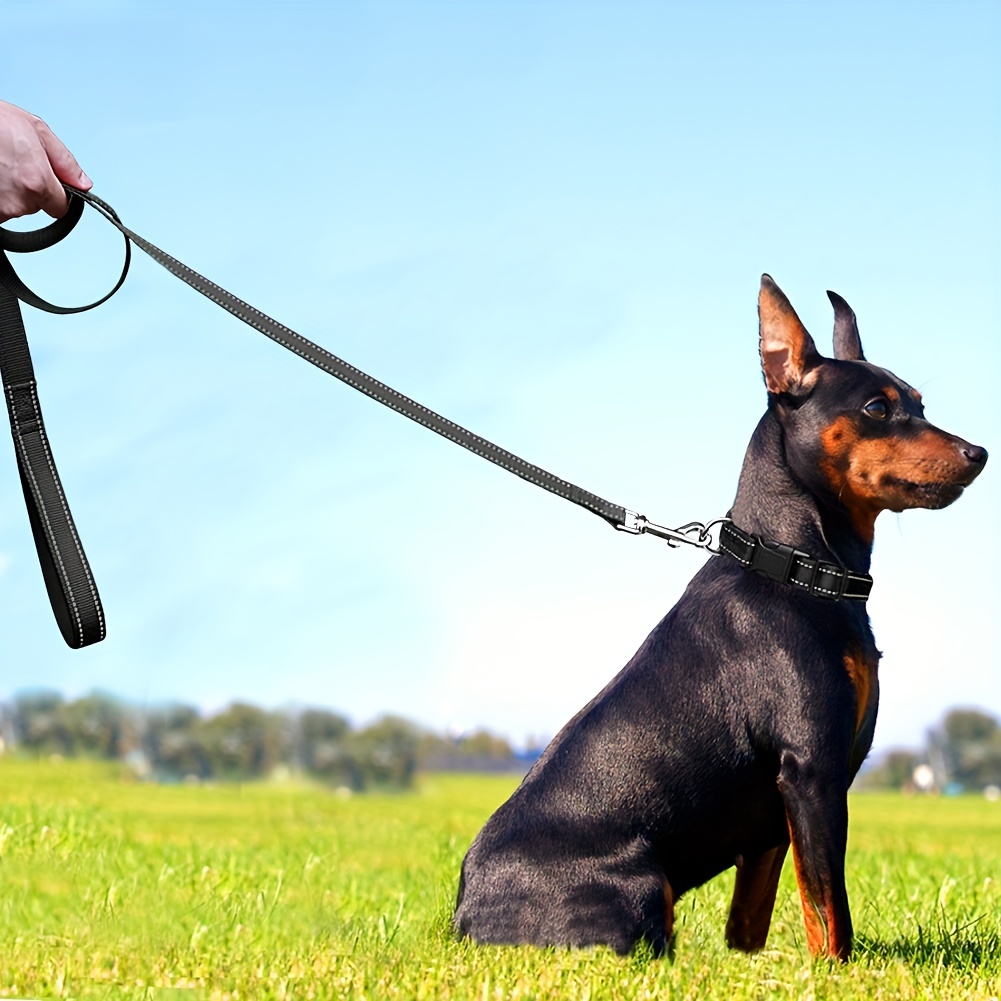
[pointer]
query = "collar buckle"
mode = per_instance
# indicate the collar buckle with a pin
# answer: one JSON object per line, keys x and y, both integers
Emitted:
{"x": 775, "y": 559}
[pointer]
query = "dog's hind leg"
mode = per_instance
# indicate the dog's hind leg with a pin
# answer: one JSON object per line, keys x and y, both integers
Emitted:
{"x": 754, "y": 899}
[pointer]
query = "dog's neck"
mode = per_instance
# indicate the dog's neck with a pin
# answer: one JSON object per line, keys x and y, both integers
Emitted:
{"x": 772, "y": 503}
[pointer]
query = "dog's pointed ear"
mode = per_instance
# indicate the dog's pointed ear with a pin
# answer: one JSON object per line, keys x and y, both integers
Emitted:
{"x": 788, "y": 354}
{"x": 847, "y": 343}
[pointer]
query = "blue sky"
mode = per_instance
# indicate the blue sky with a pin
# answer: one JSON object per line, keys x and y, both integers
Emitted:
{"x": 546, "y": 221}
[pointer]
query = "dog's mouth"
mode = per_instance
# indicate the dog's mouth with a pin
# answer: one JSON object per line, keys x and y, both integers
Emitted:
{"x": 927, "y": 495}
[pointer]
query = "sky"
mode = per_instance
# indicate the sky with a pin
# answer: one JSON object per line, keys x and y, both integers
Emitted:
{"x": 546, "y": 221}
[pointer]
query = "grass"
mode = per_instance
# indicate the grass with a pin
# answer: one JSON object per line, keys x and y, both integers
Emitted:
{"x": 111, "y": 888}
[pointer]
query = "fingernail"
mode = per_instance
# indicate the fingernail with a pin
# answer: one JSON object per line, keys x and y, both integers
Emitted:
{"x": 86, "y": 180}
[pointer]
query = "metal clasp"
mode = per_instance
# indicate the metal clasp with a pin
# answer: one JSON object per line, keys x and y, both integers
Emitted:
{"x": 693, "y": 534}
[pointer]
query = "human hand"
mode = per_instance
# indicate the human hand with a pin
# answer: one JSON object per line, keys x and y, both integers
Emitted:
{"x": 33, "y": 162}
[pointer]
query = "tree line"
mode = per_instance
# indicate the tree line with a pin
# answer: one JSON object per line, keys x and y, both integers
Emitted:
{"x": 961, "y": 754}
{"x": 243, "y": 741}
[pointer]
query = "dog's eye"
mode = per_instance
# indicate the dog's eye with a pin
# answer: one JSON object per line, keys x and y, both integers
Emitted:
{"x": 878, "y": 409}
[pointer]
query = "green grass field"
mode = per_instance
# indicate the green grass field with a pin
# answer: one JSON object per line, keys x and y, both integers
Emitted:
{"x": 112, "y": 888}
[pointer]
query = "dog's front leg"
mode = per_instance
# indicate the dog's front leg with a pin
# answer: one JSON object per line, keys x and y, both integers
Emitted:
{"x": 754, "y": 899}
{"x": 816, "y": 805}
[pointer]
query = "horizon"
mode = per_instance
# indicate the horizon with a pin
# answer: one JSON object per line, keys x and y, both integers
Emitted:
{"x": 529, "y": 747}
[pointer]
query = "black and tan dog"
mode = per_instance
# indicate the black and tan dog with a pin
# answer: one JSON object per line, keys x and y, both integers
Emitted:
{"x": 742, "y": 720}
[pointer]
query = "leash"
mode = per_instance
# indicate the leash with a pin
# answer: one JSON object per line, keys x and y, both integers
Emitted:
{"x": 69, "y": 582}
{"x": 68, "y": 579}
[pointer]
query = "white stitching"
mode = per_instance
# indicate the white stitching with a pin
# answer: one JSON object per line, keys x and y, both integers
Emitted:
{"x": 66, "y": 511}
{"x": 22, "y": 449}
{"x": 815, "y": 586}
{"x": 847, "y": 575}
{"x": 730, "y": 552}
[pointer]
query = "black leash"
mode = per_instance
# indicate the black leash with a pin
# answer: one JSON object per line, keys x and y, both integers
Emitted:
{"x": 615, "y": 514}
{"x": 67, "y": 575}
{"x": 68, "y": 579}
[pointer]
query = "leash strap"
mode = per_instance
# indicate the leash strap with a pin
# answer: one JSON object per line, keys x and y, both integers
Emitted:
{"x": 69, "y": 582}
{"x": 615, "y": 514}
{"x": 787, "y": 565}
{"x": 68, "y": 579}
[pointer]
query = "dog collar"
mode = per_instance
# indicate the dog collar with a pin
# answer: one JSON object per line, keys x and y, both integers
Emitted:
{"x": 787, "y": 565}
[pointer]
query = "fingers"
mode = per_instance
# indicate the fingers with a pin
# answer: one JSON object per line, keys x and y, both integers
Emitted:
{"x": 30, "y": 186}
{"x": 52, "y": 198}
{"x": 62, "y": 161}
{"x": 62, "y": 169}
{"x": 33, "y": 163}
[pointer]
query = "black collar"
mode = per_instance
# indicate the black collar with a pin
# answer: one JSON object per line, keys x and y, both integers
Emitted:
{"x": 792, "y": 566}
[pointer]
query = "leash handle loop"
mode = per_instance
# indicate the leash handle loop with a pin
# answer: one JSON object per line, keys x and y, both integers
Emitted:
{"x": 66, "y": 572}
{"x": 30, "y": 241}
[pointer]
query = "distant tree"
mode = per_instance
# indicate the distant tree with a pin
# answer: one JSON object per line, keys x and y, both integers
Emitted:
{"x": 386, "y": 752}
{"x": 434, "y": 750}
{"x": 171, "y": 741}
{"x": 243, "y": 741}
{"x": 899, "y": 766}
{"x": 97, "y": 726}
{"x": 969, "y": 746}
{"x": 317, "y": 725}
{"x": 477, "y": 751}
{"x": 37, "y": 721}
{"x": 968, "y": 726}
{"x": 323, "y": 741}
{"x": 484, "y": 744}
{"x": 894, "y": 770}
{"x": 8, "y": 737}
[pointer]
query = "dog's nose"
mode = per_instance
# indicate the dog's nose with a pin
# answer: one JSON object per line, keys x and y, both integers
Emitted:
{"x": 975, "y": 454}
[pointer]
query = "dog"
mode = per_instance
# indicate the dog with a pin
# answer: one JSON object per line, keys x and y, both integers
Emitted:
{"x": 737, "y": 728}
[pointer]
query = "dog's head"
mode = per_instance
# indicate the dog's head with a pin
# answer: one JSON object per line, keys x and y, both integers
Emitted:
{"x": 855, "y": 434}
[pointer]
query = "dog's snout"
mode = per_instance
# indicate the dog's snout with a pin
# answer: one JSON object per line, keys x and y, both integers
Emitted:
{"x": 975, "y": 454}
